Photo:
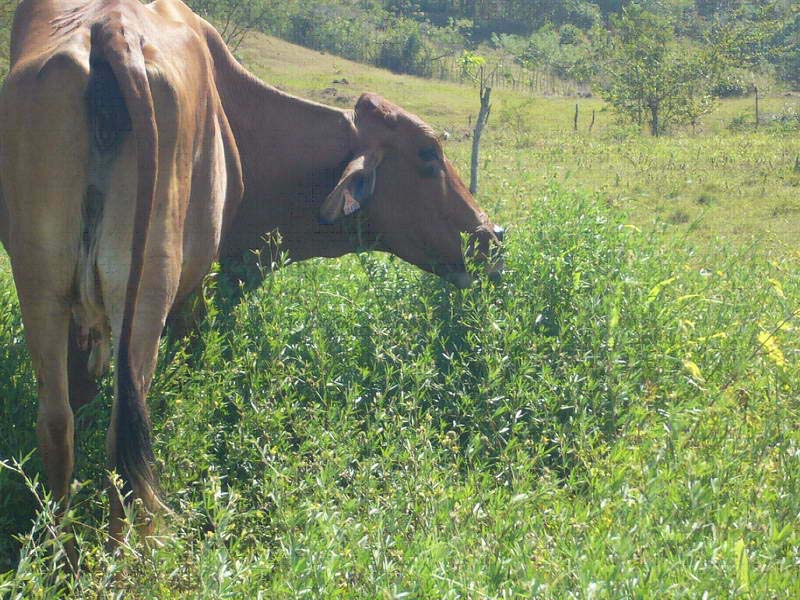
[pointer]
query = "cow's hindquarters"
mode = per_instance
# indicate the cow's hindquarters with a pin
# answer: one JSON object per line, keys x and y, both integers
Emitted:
{"x": 119, "y": 172}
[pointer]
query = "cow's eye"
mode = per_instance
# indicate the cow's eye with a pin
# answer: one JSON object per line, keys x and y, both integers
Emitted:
{"x": 428, "y": 154}
{"x": 430, "y": 169}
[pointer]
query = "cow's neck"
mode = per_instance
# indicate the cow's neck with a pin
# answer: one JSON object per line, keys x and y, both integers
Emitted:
{"x": 292, "y": 152}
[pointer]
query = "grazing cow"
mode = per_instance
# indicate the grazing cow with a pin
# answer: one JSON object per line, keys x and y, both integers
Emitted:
{"x": 135, "y": 150}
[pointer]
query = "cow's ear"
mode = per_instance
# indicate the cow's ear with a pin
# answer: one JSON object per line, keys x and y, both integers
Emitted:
{"x": 354, "y": 189}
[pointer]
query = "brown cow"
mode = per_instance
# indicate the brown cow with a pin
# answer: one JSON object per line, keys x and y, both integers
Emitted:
{"x": 127, "y": 133}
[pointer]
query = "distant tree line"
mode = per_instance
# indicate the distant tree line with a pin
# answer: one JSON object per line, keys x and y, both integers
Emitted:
{"x": 519, "y": 17}
{"x": 364, "y": 31}
{"x": 659, "y": 62}
{"x": 411, "y": 35}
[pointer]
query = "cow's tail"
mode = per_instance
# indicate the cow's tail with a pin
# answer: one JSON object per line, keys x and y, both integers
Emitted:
{"x": 121, "y": 50}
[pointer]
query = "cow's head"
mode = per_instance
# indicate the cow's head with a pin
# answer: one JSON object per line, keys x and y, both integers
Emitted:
{"x": 412, "y": 200}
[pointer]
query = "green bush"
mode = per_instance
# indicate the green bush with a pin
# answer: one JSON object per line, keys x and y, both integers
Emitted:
{"x": 731, "y": 84}
{"x": 403, "y": 49}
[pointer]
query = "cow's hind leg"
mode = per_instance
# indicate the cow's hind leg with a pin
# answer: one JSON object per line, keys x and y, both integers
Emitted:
{"x": 184, "y": 323}
{"x": 55, "y": 427}
{"x": 43, "y": 275}
{"x": 44, "y": 182}
{"x": 46, "y": 323}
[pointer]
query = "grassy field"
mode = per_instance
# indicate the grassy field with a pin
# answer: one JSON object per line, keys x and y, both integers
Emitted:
{"x": 617, "y": 419}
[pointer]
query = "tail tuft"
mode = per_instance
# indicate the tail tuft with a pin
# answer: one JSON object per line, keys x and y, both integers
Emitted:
{"x": 134, "y": 449}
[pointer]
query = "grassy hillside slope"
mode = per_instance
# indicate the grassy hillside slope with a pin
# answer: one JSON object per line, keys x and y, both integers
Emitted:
{"x": 617, "y": 419}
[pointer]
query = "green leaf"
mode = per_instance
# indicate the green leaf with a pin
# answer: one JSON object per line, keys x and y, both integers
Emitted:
{"x": 656, "y": 290}
{"x": 742, "y": 565}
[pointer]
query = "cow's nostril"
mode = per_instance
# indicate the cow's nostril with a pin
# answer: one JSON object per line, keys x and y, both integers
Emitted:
{"x": 499, "y": 232}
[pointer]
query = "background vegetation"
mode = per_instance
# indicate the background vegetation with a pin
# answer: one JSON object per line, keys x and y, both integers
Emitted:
{"x": 659, "y": 64}
{"x": 412, "y": 35}
{"x": 616, "y": 419}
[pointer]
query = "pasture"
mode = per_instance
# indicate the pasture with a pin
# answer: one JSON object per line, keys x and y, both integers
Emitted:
{"x": 617, "y": 418}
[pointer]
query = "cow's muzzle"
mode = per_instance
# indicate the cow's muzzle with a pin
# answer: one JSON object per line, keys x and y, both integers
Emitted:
{"x": 496, "y": 265}
{"x": 499, "y": 233}
{"x": 487, "y": 251}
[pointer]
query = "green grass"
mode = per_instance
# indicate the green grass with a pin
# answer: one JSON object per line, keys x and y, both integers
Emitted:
{"x": 616, "y": 419}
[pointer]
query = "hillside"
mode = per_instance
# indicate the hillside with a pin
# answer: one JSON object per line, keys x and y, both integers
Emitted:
{"x": 561, "y": 38}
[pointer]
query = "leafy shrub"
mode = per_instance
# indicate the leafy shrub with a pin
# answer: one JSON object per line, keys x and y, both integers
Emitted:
{"x": 569, "y": 34}
{"x": 785, "y": 121}
{"x": 560, "y": 52}
{"x": 403, "y": 49}
{"x": 731, "y": 84}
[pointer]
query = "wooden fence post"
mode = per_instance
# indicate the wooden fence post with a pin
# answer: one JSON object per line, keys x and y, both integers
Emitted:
{"x": 758, "y": 118}
{"x": 480, "y": 123}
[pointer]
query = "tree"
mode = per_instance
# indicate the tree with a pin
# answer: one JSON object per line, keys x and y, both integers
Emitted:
{"x": 474, "y": 67}
{"x": 754, "y": 36}
{"x": 789, "y": 37}
{"x": 234, "y": 18}
{"x": 648, "y": 76}
{"x": 695, "y": 81}
{"x": 7, "y": 8}
{"x": 562, "y": 51}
